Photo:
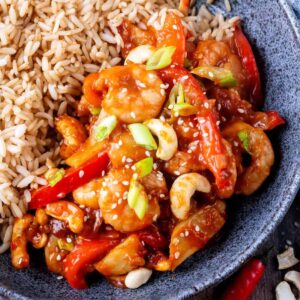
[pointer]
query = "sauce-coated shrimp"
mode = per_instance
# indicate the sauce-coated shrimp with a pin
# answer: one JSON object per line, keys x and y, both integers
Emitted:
{"x": 261, "y": 151}
{"x": 131, "y": 93}
{"x": 73, "y": 132}
{"x": 114, "y": 206}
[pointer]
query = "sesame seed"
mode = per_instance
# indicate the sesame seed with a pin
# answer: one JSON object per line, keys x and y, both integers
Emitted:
{"x": 135, "y": 176}
{"x": 140, "y": 84}
{"x": 162, "y": 195}
{"x": 186, "y": 129}
{"x": 189, "y": 151}
{"x": 115, "y": 217}
{"x": 132, "y": 114}
{"x": 196, "y": 134}
{"x": 176, "y": 255}
{"x": 180, "y": 121}
{"x": 177, "y": 173}
{"x": 181, "y": 234}
{"x": 205, "y": 134}
{"x": 186, "y": 233}
{"x": 176, "y": 241}
{"x": 191, "y": 124}
{"x": 223, "y": 119}
{"x": 210, "y": 74}
{"x": 175, "y": 27}
{"x": 235, "y": 143}
{"x": 114, "y": 206}
{"x": 147, "y": 153}
{"x": 218, "y": 123}
{"x": 125, "y": 182}
{"x": 120, "y": 142}
{"x": 102, "y": 173}
{"x": 219, "y": 106}
{"x": 240, "y": 110}
{"x": 185, "y": 77}
{"x": 171, "y": 106}
{"x": 197, "y": 228}
{"x": 127, "y": 166}
{"x": 129, "y": 160}
{"x": 123, "y": 158}
{"x": 117, "y": 194}
{"x": 59, "y": 277}
{"x": 206, "y": 105}
{"x": 155, "y": 166}
{"x": 120, "y": 201}
{"x": 174, "y": 81}
{"x": 81, "y": 173}
{"x": 176, "y": 114}
{"x": 69, "y": 240}
{"x": 155, "y": 217}
{"x": 58, "y": 257}
{"x": 162, "y": 118}
{"x": 202, "y": 121}
{"x": 115, "y": 182}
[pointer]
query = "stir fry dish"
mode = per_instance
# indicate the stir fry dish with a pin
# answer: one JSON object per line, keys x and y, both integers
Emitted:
{"x": 153, "y": 151}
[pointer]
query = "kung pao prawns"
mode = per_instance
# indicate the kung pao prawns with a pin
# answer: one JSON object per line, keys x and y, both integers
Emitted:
{"x": 155, "y": 148}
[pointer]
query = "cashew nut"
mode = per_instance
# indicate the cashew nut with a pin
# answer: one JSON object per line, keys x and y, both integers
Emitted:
{"x": 19, "y": 254}
{"x": 293, "y": 277}
{"x": 41, "y": 216}
{"x": 167, "y": 138}
{"x": 140, "y": 54}
{"x": 284, "y": 292}
{"x": 183, "y": 189}
{"x": 287, "y": 259}
{"x": 138, "y": 277}
{"x": 67, "y": 211}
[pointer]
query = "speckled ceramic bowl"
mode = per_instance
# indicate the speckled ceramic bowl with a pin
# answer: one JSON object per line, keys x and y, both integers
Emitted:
{"x": 273, "y": 30}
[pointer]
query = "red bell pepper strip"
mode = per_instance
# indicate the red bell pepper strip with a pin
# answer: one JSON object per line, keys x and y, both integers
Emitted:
{"x": 246, "y": 54}
{"x": 192, "y": 90}
{"x": 245, "y": 281}
{"x": 74, "y": 178}
{"x": 214, "y": 153}
{"x": 84, "y": 254}
{"x": 172, "y": 34}
{"x": 274, "y": 120}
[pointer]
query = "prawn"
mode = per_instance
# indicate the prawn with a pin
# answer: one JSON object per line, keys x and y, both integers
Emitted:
{"x": 131, "y": 93}
{"x": 258, "y": 145}
{"x": 114, "y": 207}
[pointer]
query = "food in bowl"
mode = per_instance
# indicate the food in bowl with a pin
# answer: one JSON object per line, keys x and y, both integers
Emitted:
{"x": 149, "y": 154}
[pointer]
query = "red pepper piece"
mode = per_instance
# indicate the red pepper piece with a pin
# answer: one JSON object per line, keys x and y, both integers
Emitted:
{"x": 152, "y": 237}
{"x": 73, "y": 179}
{"x": 192, "y": 90}
{"x": 84, "y": 254}
{"x": 274, "y": 120}
{"x": 172, "y": 34}
{"x": 214, "y": 153}
{"x": 245, "y": 282}
{"x": 246, "y": 54}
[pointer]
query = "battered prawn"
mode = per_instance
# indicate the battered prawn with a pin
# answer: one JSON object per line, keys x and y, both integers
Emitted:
{"x": 114, "y": 206}
{"x": 253, "y": 140}
{"x": 131, "y": 93}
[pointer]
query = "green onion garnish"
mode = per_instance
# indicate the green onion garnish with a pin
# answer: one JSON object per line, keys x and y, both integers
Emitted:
{"x": 161, "y": 58}
{"x": 219, "y": 76}
{"x": 137, "y": 198}
{"x": 56, "y": 177}
{"x": 245, "y": 139}
{"x": 95, "y": 111}
{"x": 176, "y": 94}
{"x": 64, "y": 245}
{"x": 105, "y": 127}
{"x": 142, "y": 136}
{"x": 144, "y": 167}
{"x": 184, "y": 109}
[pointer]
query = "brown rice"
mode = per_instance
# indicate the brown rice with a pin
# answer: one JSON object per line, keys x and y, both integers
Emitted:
{"x": 47, "y": 47}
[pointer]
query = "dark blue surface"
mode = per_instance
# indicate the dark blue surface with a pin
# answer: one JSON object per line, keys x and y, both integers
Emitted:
{"x": 273, "y": 29}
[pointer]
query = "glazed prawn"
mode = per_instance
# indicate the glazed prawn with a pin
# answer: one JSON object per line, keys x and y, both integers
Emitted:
{"x": 260, "y": 149}
{"x": 131, "y": 93}
{"x": 114, "y": 206}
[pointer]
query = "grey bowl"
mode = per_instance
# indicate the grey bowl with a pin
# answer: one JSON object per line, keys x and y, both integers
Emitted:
{"x": 273, "y": 30}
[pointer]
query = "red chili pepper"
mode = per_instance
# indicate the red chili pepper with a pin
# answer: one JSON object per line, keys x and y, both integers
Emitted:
{"x": 152, "y": 237}
{"x": 274, "y": 120}
{"x": 245, "y": 282}
{"x": 192, "y": 90}
{"x": 84, "y": 254}
{"x": 172, "y": 34}
{"x": 246, "y": 54}
{"x": 73, "y": 179}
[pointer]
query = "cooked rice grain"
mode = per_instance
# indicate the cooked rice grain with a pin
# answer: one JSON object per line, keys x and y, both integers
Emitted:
{"x": 47, "y": 47}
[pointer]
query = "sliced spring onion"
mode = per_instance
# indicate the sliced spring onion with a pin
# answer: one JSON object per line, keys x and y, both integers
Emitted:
{"x": 161, "y": 58}
{"x": 64, "y": 245}
{"x": 56, "y": 177}
{"x": 244, "y": 137}
{"x": 184, "y": 109}
{"x": 105, "y": 127}
{"x": 219, "y": 76}
{"x": 137, "y": 198}
{"x": 176, "y": 94}
{"x": 95, "y": 111}
{"x": 144, "y": 167}
{"x": 142, "y": 136}
{"x": 140, "y": 54}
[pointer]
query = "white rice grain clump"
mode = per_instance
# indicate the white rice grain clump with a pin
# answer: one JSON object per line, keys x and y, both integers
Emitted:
{"x": 47, "y": 47}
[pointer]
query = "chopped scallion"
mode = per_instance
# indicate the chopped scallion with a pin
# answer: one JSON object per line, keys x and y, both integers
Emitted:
{"x": 144, "y": 167}
{"x": 176, "y": 94}
{"x": 244, "y": 137}
{"x": 137, "y": 198}
{"x": 161, "y": 58}
{"x": 56, "y": 177}
{"x": 219, "y": 76}
{"x": 105, "y": 127}
{"x": 184, "y": 109}
{"x": 142, "y": 136}
{"x": 95, "y": 111}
